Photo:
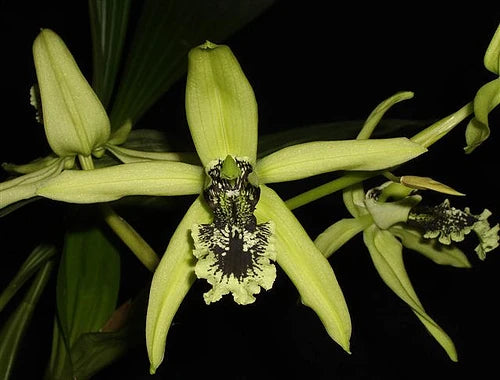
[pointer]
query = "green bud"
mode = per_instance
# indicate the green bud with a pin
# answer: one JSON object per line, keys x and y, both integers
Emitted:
{"x": 75, "y": 120}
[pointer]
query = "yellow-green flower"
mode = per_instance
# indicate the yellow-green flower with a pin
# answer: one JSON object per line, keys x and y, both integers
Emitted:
{"x": 239, "y": 226}
{"x": 390, "y": 217}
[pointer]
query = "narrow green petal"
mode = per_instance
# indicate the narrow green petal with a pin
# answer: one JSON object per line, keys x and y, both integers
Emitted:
{"x": 305, "y": 160}
{"x": 386, "y": 253}
{"x": 335, "y": 236}
{"x": 220, "y": 105}
{"x": 75, "y": 120}
{"x": 376, "y": 115}
{"x": 171, "y": 282}
{"x": 128, "y": 156}
{"x": 478, "y": 129}
{"x": 306, "y": 267}
{"x": 427, "y": 183}
{"x": 160, "y": 178}
{"x": 440, "y": 254}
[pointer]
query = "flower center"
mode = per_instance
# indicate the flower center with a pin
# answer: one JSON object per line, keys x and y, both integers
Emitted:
{"x": 234, "y": 252}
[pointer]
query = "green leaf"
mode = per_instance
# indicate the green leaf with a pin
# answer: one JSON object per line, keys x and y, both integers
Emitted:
{"x": 166, "y": 31}
{"x": 386, "y": 253}
{"x": 87, "y": 289}
{"x": 35, "y": 260}
{"x": 15, "y": 327}
{"x": 108, "y": 24}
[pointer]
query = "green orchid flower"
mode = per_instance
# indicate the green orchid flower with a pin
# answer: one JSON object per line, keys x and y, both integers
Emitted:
{"x": 238, "y": 227}
{"x": 391, "y": 218}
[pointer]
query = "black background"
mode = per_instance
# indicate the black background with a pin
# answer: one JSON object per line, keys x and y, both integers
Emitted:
{"x": 309, "y": 62}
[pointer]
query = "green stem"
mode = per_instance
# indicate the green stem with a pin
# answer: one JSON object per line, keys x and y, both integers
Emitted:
{"x": 139, "y": 247}
{"x": 131, "y": 238}
{"x": 441, "y": 127}
{"x": 329, "y": 188}
{"x": 426, "y": 138}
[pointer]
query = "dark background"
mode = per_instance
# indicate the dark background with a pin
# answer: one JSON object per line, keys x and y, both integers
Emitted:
{"x": 309, "y": 62}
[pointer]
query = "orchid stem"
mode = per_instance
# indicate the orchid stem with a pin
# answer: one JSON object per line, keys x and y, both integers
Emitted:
{"x": 426, "y": 138}
{"x": 131, "y": 238}
{"x": 329, "y": 188}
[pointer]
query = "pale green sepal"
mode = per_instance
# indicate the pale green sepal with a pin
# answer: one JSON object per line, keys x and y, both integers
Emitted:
{"x": 335, "y": 236}
{"x": 159, "y": 178}
{"x": 478, "y": 130}
{"x": 379, "y": 112}
{"x": 26, "y": 186}
{"x": 492, "y": 55}
{"x": 75, "y": 120}
{"x": 308, "y": 159}
{"x": 128, "y": 156}
{"x": 32, "y": 166}
{"x": 386, "y": 253}
{"x": 221, "y": 108}
{"x": 171, "y": 282}
{"x": 354, "y": 200}
{"x": 306, "y": 267}
{"x": 439, "y": 253}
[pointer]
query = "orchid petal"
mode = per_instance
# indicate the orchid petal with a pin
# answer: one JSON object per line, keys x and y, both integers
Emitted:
{"x": 111, "y": 183}
{"x": 439, "y": 253}
{"x": 220, "y": 105}
{"x": 305, "y": 160}
{"x": 171, "y": 282}
{"x": 386, "y": 253}
{"x": 306, "y": 267}
{"x": 335, "y": 236}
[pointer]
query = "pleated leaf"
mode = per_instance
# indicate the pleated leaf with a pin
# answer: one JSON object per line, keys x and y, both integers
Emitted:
{"x": 108, "y": 24}
{"x": 87, "y": 290}
{"x": 31, "y": 265}
{"x": 16, "y": 325}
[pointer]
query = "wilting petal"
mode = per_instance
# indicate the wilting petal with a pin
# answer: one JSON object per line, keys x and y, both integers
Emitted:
{"x": 306, "y": 267}
{"x": 220, "y": 105}
{"x": 386, "y": 253}
{"x": 75, "y": 120}
{"x": 171, "y": 282}
{"x": 439, "y": 253}
{"x": 308, "y": 159}
{"x": 335, "y": 236}
{"x": 111, "y": 183}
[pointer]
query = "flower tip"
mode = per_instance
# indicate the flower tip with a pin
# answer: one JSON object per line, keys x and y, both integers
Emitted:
{"x": 207, "y": 45}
